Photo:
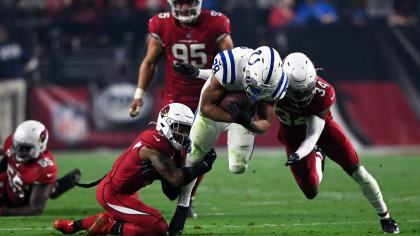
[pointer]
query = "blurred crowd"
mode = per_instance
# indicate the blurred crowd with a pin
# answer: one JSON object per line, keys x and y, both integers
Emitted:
{"x": 71, "y": 24}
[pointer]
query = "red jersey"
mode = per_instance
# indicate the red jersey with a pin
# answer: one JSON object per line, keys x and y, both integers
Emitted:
{"x": 125, "y": 176}
{"x": 22, "y": 176}
{"x": 196, "y": 46}
{"x": 293, "y": 119}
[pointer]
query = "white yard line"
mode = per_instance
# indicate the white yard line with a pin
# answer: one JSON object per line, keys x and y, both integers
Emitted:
{"x": 245, "y": 226}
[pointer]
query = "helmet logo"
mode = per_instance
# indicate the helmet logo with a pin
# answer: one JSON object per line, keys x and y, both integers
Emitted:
{"x": 258, "y": 59}
{"x": 42, "y": 136}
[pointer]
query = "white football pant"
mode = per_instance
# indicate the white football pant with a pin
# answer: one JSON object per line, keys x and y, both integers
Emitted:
{"x": 204, "y": 134}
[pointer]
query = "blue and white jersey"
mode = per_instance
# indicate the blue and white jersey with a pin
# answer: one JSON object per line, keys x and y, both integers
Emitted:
{"x": 229, "y": 68}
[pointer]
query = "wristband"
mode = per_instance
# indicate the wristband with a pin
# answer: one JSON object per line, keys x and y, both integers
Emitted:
{"x": 139, "y": 94}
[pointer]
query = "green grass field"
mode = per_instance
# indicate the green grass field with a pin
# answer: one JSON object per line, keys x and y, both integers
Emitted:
{"x": 263, "y": 201}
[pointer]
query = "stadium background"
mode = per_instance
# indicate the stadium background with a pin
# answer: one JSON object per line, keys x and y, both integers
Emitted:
{"x": 90, "y": 52}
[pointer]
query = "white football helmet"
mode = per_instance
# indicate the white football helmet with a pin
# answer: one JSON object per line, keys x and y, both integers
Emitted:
{"x": 29, "y": 140}
{"x": 303, "y": 77}
{"x": 264, "y": 76}
{"x": 174, "y": 122}
{"x": 186, "y": 15}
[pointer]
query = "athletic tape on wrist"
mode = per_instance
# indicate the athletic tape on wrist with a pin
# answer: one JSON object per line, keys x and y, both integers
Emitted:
{"x": 139, "y": 94}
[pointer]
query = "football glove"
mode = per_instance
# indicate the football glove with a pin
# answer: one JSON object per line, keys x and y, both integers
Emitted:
{"x": 178, "y": 221}
{"x": 241, "y": 114}
{"x": 190, "y": 173}
{"x": 148, "y": 172}
{"x": 186, "y": 70}
{"x": 292, "y": 158}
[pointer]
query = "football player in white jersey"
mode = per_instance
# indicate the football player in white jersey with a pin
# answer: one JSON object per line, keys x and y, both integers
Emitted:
{"x": 259, "y": 74}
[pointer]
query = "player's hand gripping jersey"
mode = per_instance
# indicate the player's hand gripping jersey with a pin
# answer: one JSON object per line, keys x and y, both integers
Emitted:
{"x": 196, "y": 46}
{"x": 18, "y": 180}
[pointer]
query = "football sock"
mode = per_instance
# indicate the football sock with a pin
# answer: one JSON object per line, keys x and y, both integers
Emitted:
{"x": 117, "y": 228}
{"x": 77, "y": 226}
{"x": 84, "y": 223}
{"x": 185, "y": 194}
{"x": 384, "y": 215}
{"x": 370, "y": 189}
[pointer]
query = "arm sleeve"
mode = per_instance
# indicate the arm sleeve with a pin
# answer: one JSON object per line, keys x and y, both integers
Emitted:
{"x": 204, "y": 74}
{"x": 313, "y": 131}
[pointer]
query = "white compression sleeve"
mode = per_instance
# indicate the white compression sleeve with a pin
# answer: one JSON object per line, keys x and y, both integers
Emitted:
{"x": 186, "y": 190}
{"x": 370, "y": 189}
{"x": 313, "y": 131}
{"x": 204, "y": 74}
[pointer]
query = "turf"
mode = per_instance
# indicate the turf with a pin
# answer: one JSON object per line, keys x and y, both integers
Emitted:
{"x": 263, "y": 201}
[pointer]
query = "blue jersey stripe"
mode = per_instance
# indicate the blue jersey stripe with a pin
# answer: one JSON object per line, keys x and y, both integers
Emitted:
{"x": 222, "y": 56}
{"x": 278, "y": 86}
{"x": 271, "y": 66}
{"x": 232, "y": 67}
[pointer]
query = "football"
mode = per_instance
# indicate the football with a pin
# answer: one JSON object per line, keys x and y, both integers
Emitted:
{"x": 239, "y": 97}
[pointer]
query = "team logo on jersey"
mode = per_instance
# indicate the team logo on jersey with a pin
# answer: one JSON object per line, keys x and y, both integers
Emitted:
{"x": 188, "y": 35}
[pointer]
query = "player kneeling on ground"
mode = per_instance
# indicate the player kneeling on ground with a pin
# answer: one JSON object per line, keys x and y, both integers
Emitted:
{"x": 308, "y": 131}
{"x": 28, "y": 172}
{"x": 155, "y": 154}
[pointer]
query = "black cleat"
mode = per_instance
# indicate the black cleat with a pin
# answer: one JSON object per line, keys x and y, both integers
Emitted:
{"x": 65, "y": 183}
{"x": 390, "y": 226}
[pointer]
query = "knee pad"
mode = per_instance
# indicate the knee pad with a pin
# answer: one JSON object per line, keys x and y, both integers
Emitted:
{"x": 239, "y": 159}
{"x": 237, "y": 169}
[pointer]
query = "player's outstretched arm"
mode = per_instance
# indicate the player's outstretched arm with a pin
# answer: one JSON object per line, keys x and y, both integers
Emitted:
{"x": 39, "y": 197}
{"x": 314, "y": 129}
{"x": 146, "y": 74}
{"x": 177, "y": 176}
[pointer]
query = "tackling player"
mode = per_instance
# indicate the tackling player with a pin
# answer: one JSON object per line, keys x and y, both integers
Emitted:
{"x": 307, "y": 127}
{"x": 259, "y": 74}
{"x": 162, "y": 151}
{"x": 189, "y": 35}
{"x": 28, "y": 172}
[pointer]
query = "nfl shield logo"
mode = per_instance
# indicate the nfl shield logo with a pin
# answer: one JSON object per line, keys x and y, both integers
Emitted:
{"x": 188, "y": 35}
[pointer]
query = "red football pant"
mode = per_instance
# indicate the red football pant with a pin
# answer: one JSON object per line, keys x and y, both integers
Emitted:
{"x": 139, "y": 218}
{"x": 333, "y": 142}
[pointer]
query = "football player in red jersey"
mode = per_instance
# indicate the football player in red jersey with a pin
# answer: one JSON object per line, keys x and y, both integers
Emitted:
{"x": 189, "y": 35}
{"x": 20, "y": 169}
{"x": 154, "y": 154}
{"x": 309, "y": 132}
{"x": 28, "y": 171}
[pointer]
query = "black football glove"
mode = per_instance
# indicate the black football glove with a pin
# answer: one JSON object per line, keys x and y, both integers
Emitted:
{"x": 292, "y": 158}
{"x": 186, "y": 70}
{"x": 241, "y": 114}
{"x": 209, "y": 159}
{"x": 148, "y": 172}
{"x": 178, "y": 221}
